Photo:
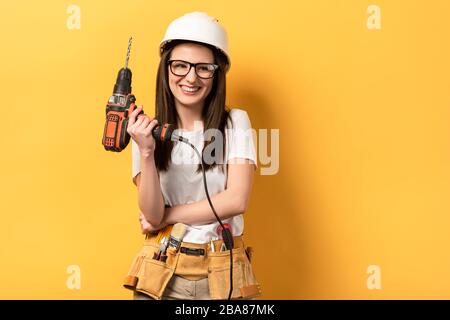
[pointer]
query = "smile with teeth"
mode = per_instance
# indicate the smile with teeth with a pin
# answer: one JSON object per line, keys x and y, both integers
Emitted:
{"x": 190, "y": 89}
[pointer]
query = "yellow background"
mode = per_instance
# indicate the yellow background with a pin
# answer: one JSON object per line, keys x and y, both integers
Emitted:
{"x": 363, "y": 115}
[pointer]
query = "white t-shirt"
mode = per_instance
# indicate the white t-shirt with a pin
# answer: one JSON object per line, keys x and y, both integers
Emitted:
{"x": 180, "y": 184}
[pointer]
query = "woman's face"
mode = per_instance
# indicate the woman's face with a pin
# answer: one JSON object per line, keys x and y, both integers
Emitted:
{"x": 190, "y": 90}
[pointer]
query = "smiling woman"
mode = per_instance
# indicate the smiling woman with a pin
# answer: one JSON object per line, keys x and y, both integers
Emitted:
{"x": 190, "y": 89}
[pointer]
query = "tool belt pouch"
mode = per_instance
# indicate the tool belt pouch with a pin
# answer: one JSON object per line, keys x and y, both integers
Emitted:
{"x": 245, "y": 285}
{"x": 132, "y": 278}
{"x": 150, "y": 276}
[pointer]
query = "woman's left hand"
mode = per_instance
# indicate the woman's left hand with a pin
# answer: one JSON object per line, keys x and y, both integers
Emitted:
{"x": 147, "y": 227}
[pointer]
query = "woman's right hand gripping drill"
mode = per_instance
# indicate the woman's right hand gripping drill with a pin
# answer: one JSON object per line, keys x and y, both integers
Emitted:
{"x": 140, "y": 130}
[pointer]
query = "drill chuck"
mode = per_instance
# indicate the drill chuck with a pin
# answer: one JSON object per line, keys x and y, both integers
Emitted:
{"x": 123, "y": 82}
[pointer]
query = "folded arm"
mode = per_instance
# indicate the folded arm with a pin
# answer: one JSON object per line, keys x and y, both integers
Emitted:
{"x": 228, "y": 203}
{"x": 150, "y": 198}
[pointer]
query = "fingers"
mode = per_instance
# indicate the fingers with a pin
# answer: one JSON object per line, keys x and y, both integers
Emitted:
{"x": 133, "y": 115}
{"x": 144, "y": 125}
{"x": 150, "y": 127}
{"x": 144, "y": 225}
{"x": 140, "y": 124}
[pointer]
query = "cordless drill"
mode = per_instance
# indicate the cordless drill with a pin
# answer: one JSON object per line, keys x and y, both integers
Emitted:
{"x": 119, "y": 107}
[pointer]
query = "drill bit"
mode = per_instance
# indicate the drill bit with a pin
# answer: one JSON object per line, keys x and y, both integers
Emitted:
{"x": 123, "y": 82}
{"x": 128, "y": 53}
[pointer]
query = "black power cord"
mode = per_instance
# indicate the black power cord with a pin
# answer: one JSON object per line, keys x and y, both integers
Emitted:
{"x": 226, "y": 234}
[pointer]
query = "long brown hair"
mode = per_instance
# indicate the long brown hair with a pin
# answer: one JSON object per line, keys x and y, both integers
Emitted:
{"x": 215, "y": 114}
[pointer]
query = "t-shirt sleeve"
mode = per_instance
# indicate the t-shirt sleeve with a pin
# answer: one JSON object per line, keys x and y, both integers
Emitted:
{"x": 135, "y": 158}
{"x": 240, "y": 135}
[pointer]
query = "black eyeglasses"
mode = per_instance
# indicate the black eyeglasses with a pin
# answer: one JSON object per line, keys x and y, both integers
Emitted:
{"x": 203, "y": 70}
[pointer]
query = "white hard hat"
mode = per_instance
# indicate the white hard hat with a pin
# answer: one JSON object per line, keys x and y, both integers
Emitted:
{"x": 199, "y": 27}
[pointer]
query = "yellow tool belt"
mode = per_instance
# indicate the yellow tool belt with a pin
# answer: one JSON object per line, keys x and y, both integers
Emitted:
{"x": 194, "y": 261}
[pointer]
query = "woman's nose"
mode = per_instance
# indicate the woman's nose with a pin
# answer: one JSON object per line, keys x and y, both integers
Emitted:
{"x": 191, "y": 76}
